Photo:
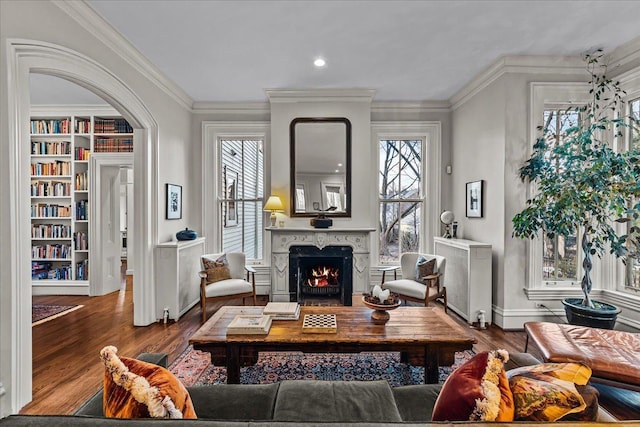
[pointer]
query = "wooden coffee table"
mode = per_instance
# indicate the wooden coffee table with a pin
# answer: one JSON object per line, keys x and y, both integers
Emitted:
{"x": 423, "y": 336}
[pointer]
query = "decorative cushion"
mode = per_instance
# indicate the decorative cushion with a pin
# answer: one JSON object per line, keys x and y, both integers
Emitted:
{"x": 136, "y": 389}
{"x": 424, "y": 267}
{"x": 547, "y": 392}
{"x": 477, "y": 391}
{"x": 217, "y": 269}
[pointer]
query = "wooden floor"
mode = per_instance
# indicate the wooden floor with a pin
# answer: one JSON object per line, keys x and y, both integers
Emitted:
{"x": 66, "y": 365}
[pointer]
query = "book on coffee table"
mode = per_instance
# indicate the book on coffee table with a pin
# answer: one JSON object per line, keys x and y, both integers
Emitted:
{"x": 282, "y": 310}
{"x": 249, "y": 324}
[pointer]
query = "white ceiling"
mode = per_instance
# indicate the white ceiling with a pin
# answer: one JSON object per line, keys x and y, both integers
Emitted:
{"x": 405, "y": 50}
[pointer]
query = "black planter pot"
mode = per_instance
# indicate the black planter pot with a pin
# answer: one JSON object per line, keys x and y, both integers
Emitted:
{"x": 603, "y": 316}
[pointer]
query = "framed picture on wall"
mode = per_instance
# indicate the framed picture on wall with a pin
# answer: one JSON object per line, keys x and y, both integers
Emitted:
{"x": 231, "y": 194}
{"x": 174, "y": 201}
{"x": 474, "y": 199}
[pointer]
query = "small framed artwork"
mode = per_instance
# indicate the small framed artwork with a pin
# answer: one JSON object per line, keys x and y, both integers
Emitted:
{"x": 474, "y": 199}
{"x": 174, "y": 201}
{"x": 231, "y": 194}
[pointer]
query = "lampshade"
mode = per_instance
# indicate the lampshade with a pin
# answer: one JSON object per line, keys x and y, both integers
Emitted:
{"x": 274, "y": 204}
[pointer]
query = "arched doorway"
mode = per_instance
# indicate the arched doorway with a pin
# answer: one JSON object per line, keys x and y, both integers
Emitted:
{"x": 25, "y": 57}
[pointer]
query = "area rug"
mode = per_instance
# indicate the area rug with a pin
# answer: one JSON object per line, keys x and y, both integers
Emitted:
{"x": 193, "y": 367}
{"x": 41, "y": 313}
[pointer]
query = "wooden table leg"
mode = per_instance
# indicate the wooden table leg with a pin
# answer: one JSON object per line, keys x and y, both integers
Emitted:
{"x": 431, "y": 365}
{"x": 233, "y": 364}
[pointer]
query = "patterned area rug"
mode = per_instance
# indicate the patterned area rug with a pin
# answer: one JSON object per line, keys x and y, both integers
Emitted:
{"x": 193, "y": 367}
{"x": 41, "y": 313}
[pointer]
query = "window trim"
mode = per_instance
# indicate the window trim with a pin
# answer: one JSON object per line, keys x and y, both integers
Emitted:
{"x": 212, "y": 131}
{"x": 543, "y": 96}
{"x": 431, "y": 133}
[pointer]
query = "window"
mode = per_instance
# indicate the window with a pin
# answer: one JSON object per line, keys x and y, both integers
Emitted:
{"x": 241, "y": 195}
{"x": 632, "y": 280}
{"x": 401, "y": 197}
{"x": 560, "y": 253}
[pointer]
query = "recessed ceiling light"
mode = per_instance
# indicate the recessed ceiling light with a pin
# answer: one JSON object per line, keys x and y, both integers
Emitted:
{"x": 319, "y": 62}
{"x": 339, "y": 165}
{"x": 337, "y": 171}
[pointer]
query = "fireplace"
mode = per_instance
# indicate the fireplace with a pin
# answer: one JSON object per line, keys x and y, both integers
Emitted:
{"x": 318, "y": 273}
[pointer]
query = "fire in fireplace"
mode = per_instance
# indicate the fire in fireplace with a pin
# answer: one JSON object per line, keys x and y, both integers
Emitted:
{"x": 321, "y": 272}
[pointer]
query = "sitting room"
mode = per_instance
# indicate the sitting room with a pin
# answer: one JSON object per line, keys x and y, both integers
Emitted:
{"x": 427, "y": 209}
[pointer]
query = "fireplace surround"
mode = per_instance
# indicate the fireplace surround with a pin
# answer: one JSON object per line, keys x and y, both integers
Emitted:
{"x": 355, "y": 240}
{"x": 325, "y": 272}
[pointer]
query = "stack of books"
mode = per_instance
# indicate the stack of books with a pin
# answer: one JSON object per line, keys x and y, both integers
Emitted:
{"x": 249, "y": 324}
{"x": 282, "y": 310}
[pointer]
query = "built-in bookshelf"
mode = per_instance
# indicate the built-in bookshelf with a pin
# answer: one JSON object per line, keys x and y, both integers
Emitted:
{"x": 61, "y": 148}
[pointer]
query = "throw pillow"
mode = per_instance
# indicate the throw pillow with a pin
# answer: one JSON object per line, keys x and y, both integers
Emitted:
{"x": 136, "y": 389}
{"x": 424, "y": 267}
{"x": 477, "y": 391}
{"x": 547, "y": 392}
{"x": 217, "y": 269}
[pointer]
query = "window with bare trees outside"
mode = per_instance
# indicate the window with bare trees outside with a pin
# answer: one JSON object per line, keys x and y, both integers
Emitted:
{"x": 401, "y": 197}
{"x": 632, "y": 281}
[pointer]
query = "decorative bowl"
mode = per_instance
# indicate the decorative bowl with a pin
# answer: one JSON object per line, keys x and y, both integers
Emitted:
{"x": 186, "y": 234}
{"x": 380, "y": 314}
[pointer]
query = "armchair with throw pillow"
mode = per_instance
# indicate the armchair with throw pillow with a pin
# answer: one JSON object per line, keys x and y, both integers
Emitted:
{"x": 422, "y": 275}
{"x": 222, "y": 278}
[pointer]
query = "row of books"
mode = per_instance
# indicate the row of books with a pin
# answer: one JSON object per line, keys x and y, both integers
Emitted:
{"x": 57, "y": 251}
{"x": 44, "y": 271}
{"x": 82, "y": 153}
{"x": 261, "y": 323}
{"x": 58, "y": 167}
{"x": 50, "y": 231}
{"x": 82, "y": 181}
{"x": 50, "y": 211}
{"x": 50, "y": 147}
{"x": 82, "y": 270}
{"x": 113, "y": 145}
{"x": 112, "y": 126}
{"x": 83, "y": 126}
{"x": 50, "y": 126}
{"x": 82, "y": 210}
{"x": 50, "y": 188}
{"x": 80, "y": 241}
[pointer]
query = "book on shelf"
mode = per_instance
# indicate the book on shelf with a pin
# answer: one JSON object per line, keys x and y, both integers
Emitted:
{"x": 249, "y": 324}
{"x": 282, "y": 310}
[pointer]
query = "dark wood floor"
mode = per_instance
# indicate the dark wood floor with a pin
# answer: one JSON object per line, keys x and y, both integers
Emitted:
{"x": 66, "y": 365}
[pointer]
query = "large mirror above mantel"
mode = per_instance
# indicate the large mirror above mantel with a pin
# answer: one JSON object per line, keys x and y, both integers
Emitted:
{"x": 320, "y": 150}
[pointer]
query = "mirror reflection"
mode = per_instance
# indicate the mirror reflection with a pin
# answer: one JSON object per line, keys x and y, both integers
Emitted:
{"x": 320, "y": 166}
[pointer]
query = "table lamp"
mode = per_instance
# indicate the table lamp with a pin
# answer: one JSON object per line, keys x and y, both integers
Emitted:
{"x": 274, "y": 204}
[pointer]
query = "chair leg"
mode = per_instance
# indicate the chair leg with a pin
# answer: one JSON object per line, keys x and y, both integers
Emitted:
{"x": 444, "y": 297}
{"x": 203, "y": 309}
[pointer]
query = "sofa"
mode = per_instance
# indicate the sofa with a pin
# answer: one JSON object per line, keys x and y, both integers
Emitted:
{"x": 291, "y": 403}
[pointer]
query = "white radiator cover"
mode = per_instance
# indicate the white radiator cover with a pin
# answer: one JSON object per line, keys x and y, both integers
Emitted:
{"x": 467, "y": 276}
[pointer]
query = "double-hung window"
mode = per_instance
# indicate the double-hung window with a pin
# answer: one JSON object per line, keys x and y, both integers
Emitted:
{"x": 401, "y": 197}
{"x": 241, "y": 195}
{"x": 632, "y": 279}
{"x": 560, "y": 254}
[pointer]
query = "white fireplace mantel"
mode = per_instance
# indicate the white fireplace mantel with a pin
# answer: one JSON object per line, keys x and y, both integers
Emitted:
{"x": 283, "y": 238}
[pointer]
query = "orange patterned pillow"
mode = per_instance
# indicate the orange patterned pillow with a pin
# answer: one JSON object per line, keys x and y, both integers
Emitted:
{"x": 217, "y": 269}
{"x": 477, "y": 391}
{"x": 136, "y": 389}
{"x": 547, "y": 392}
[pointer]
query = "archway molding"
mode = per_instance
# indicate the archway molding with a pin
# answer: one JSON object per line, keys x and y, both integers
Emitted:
{"x": 29, "y": 56}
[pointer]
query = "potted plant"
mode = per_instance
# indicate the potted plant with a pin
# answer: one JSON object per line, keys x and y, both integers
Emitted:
{"x": 581, "y": 184}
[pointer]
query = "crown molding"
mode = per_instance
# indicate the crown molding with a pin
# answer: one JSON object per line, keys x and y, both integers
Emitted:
{"x": 92, "y": 21}
{"x": 624, "y": 54}
{"x": 244, "y": 108}
{"x": 72, "y": 109}
{"x": 411, "y": 107}
{"x": 521, "y": 65}
{"x": 320, "y": 95}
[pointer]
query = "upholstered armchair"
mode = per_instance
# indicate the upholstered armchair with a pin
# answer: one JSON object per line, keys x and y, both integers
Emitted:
{"x": 413, "y": 286}
{"x": 223, "y": 278}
